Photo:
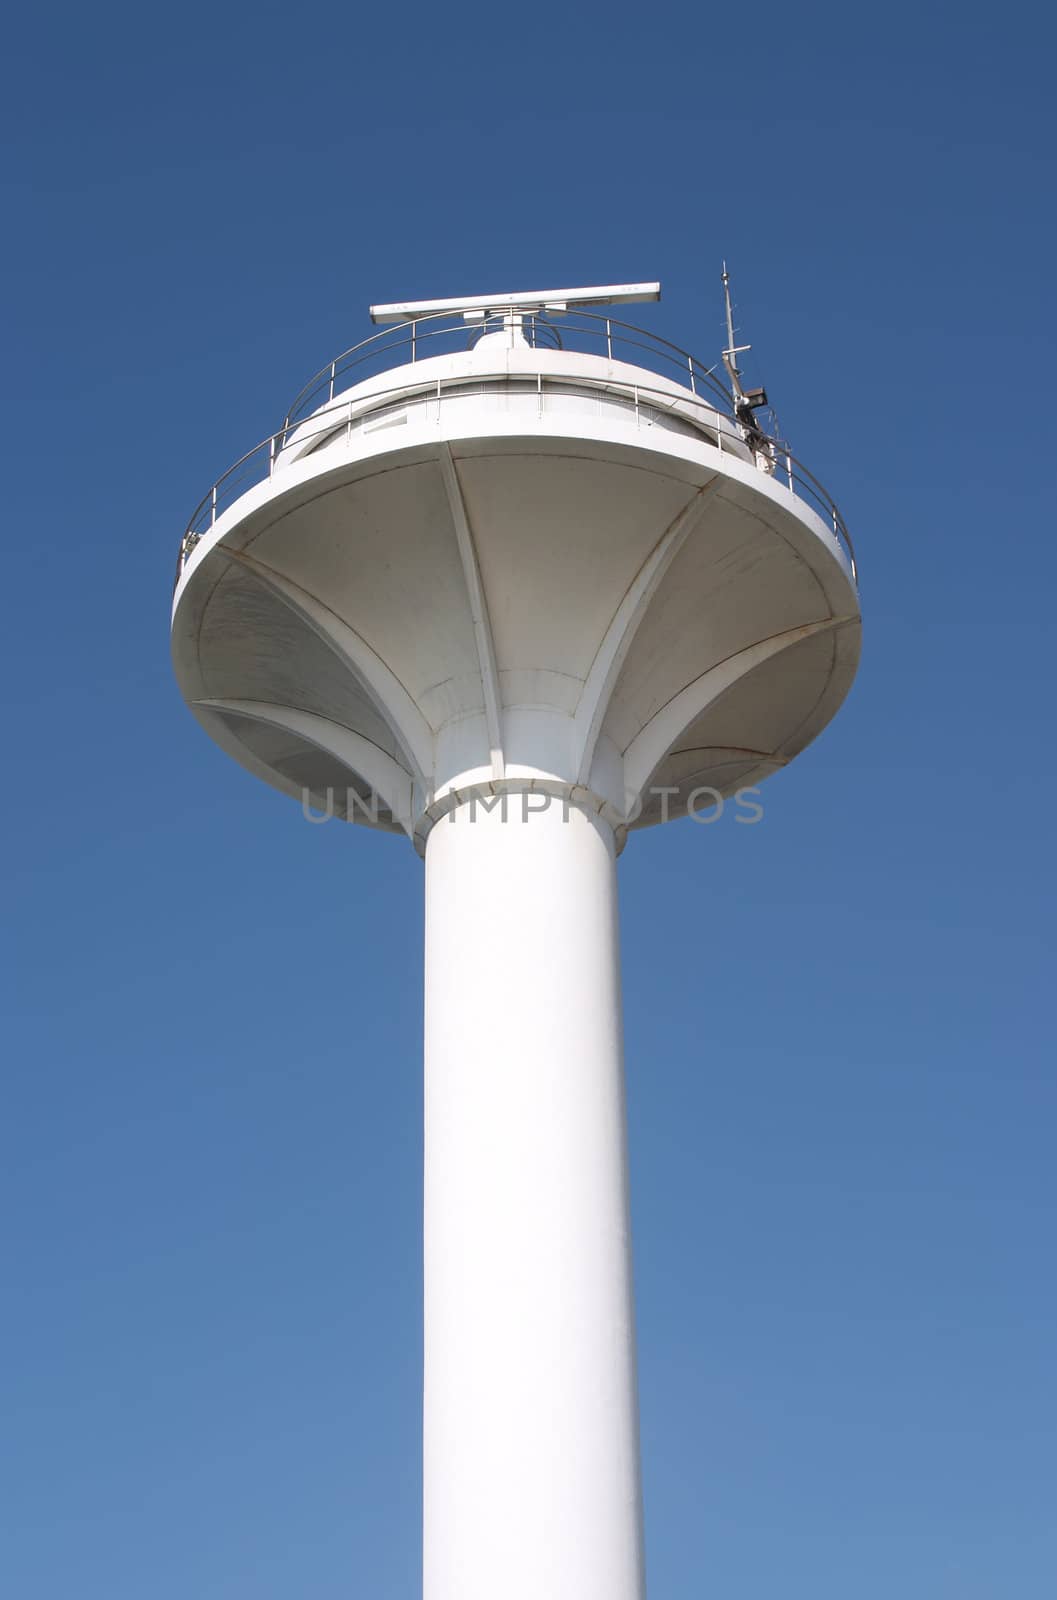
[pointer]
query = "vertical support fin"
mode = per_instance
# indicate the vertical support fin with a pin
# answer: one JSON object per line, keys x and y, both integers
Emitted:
{"x": 611, "y": 654}
{"x": 482, "y": 626}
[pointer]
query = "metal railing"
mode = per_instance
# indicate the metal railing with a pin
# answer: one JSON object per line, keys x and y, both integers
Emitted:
{"x": 587, "y": 332}
{"x": 714, "y": 416}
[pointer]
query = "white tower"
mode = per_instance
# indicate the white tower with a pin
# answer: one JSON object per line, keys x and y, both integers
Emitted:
{"x": 515, "y": 578}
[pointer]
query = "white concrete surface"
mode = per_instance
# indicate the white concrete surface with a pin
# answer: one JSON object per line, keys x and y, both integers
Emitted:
{"x": 530, "y": 1449}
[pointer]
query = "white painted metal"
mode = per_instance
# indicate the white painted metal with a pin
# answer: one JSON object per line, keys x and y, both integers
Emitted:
{"x": 531, "y": 1473}
{"x": 533, "y": 299}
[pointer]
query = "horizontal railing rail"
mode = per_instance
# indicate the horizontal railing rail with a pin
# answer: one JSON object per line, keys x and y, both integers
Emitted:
{"x": 259, "y": 463}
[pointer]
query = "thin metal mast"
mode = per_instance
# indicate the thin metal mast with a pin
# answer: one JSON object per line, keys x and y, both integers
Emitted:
{"x": 730, "y": 315}
{"x": 732, "y": 350}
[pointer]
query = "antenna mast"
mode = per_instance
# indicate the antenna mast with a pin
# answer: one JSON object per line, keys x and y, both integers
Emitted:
{"x": 732, "y": 350}
{"x": 746, "y": 401}
{"x": 730, "y": 314}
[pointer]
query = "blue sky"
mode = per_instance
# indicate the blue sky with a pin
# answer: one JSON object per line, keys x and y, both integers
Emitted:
{"x": 839, "y": 1023}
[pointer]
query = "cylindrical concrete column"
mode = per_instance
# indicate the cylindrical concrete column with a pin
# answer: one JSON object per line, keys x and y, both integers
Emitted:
{"x": 531, "y": 1465}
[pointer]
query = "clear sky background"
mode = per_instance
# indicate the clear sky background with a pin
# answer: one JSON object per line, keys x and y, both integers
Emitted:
{"x": 839, "y": 1022}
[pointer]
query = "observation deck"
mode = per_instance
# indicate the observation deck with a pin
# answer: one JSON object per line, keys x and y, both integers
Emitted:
{"x": 522, "y": 550}
{"x": 661, "y": 384}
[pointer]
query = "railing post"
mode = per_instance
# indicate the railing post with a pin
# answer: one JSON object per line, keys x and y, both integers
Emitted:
{"x": 213, "y": 505}
{"x": 693, "y": 384}
{"x": 609, "y": 339}
{"x": 789, "y": 471}
{"x": 414, "y": 336}
{"x": 333, "y": 375}
{"x": 271, "y": 455}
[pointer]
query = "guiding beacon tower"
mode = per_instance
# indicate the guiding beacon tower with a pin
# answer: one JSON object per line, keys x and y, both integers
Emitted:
{"x": 516, "y": 578}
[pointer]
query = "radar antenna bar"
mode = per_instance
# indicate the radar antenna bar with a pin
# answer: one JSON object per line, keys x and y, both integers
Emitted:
{"x": 553, "y": 300}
